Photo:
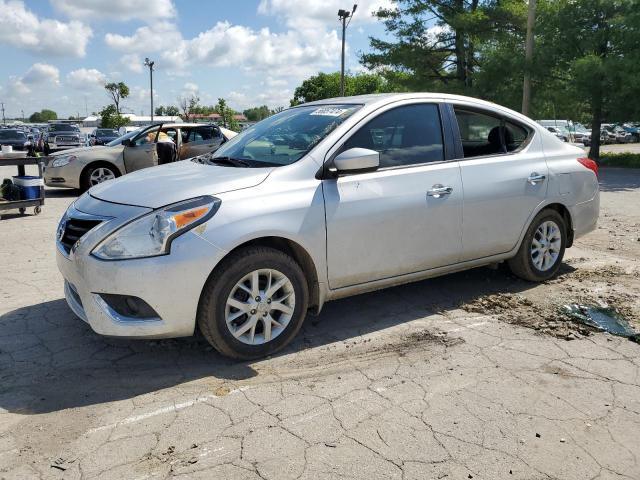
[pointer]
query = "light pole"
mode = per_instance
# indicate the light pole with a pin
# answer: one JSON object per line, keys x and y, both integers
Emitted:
{"x": 342, "y": 16}
{"x": 149, "y": 63}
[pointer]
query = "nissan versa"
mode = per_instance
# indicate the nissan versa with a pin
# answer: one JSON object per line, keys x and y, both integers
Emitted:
{"x": 318, "y": 202}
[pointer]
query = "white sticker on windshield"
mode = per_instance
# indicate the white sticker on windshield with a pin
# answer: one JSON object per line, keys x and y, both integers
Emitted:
{"x": 329, "y": 111}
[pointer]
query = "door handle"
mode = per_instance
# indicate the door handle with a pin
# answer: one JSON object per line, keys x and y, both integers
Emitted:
{"x": 535, "y": 177}
{"x": 438, "y": 191}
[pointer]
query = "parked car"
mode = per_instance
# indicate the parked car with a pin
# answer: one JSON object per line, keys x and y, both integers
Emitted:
{"x": 561, "y": 133}
{"x": 15, "y": 138}
{"x": 360, "y": 193}
{"x": 102, "y": 136}
{"x": 633, "y": 129}
{"x": 62, "y": 136}
{"x": 142, "y": 148}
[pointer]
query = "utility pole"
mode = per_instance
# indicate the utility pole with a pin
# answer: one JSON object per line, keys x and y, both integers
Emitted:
{"x": 528, "y": 58}
{"x": 150, "y": 64}
{"x": 4, "y": 120}
{"x": 22, "y": 111}
{"x": 343, "y": 15}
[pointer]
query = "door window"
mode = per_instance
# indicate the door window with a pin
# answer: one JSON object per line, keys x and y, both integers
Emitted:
{"x": 485, "y": 134}
{"x": 407, "y": 135}
{"x": 199, "y": 134}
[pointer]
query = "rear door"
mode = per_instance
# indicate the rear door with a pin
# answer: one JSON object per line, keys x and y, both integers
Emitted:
{"x": 504, "y": 174}
{"x": 199, "y": 140}
{"x": 406, "y": 216}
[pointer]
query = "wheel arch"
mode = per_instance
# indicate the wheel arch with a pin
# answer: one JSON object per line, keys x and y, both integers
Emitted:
{"x": 97, "y": 162}
{"x": 300, "y": 255}
{"x": 553, "y": 205}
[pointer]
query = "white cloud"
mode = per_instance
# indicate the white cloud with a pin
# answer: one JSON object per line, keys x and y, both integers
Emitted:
{"x": 116, "y": 9}
{"x": 154, "y": 38}
{"x": 41, "y": 73}
{"x": 190, "y": 89}
{"x": 21, "y": 28}
{"x": 86, "y": 79}
{"x": 132, "y": 62}
{"x": 17, "y": 87}
{"x": 304, "y": 14}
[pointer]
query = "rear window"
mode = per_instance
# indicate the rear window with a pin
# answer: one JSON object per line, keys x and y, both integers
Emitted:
{"x": 485, "y": 133}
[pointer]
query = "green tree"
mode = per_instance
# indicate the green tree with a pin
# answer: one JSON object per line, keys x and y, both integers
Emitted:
{"x": 160, "y": 111}
{"x": 591, "y": 48}
{"x": 227, "y": 115}
{"x": 433, "y": 41}
{"x": 327, "y": 85}
{"x": 110, "y": 118}
{"x": 43, "y": 116}
{"x": 117, "y": 91}
{"x": 256, "y": 114}
{"x": 172, "y": 111}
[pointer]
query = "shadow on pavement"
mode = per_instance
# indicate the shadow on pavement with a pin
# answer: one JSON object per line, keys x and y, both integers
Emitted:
{"x": 613, "y": 179}
{"x": 50, "y": 360}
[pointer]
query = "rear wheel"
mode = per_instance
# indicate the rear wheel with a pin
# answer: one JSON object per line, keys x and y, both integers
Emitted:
{"x": 97, "y": 173}
{"x": 542, "y": 248}
{"x": 254, "y": 303}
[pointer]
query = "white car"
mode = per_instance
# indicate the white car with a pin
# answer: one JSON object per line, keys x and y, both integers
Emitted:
{"x": 318, "y": 202}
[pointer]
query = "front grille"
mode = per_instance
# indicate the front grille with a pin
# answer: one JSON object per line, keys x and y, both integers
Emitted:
{"x": 74, "y": 230}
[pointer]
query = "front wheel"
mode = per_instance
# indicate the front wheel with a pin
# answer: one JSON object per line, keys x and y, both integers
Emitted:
{"x": 96, "y": 174}
{"x": 542, "y": 248}
{"x": 254, "y": 303}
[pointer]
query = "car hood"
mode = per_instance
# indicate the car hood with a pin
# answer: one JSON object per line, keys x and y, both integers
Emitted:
{"x": 75, "y": 151}
{"x": 159, "y": 186}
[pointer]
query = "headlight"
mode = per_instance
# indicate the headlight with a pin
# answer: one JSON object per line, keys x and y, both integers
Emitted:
{"x": 62, "y": 161}
{"x": 152, "y": 234}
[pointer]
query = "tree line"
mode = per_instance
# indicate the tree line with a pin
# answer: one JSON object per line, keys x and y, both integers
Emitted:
{"x": 585, "y": 64}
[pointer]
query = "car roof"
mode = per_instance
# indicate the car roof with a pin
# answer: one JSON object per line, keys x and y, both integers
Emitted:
{"x": 380, "y": 99}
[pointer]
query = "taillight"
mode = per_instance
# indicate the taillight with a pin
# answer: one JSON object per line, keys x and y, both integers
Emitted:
{"x": 590, "y": 164}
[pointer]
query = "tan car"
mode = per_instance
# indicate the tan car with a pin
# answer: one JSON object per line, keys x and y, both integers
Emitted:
{"x": 145, "y": 147}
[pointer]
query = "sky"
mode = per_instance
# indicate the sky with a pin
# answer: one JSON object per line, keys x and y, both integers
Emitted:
{"x": 58, "y": 54}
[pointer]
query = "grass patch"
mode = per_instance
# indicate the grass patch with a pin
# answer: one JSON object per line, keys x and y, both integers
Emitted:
{"x": 628, "y": 160}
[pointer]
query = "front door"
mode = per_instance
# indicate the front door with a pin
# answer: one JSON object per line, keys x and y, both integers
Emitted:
{"x": 504, "y": 178}
{"x": 141, "y": 152}
{"x": 406, "y": 216}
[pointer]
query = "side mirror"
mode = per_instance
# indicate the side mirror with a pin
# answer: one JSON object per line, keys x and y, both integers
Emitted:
{"x": 357, "y": 160}
{"x": 128, "y": 143}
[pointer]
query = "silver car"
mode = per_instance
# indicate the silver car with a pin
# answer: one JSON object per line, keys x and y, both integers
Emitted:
{"x": 318, "y": 202}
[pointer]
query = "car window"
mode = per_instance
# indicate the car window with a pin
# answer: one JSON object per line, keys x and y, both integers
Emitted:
{"x": 284, "y": 138}
{"x": 407, "y": 135}
{"x": 148, "y": 136}
{"x": 199, "y": 134}
{"x": 486, "y": 134}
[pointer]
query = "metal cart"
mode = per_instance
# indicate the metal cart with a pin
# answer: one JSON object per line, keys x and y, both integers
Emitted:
{"x": 20, "y": 160}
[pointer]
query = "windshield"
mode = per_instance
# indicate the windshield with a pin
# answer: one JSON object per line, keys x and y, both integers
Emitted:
{"x": 106, "y": 133}
{"x": 11, "y": 135}
{"x": 119, "y": 140}
{"x": 285, "y": 137}
{"x": 62, "y": 127}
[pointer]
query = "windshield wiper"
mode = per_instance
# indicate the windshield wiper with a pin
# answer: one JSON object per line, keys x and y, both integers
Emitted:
{"x": 234, "y": 162}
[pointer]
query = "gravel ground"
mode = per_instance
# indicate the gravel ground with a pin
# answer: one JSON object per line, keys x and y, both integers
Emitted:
{"x": 472, "y": 375}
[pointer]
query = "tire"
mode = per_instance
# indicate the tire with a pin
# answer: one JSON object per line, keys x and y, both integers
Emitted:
{"x": 534, "y": 267}
{"x": 223, "y": 286}
{"x": 85, "y": 178}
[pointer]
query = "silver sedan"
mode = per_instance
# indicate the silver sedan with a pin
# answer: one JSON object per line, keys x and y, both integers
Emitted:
{"x": 318, "y": 202}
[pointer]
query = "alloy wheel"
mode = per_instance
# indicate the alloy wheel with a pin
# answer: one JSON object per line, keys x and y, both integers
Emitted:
{"x": 260, "y": 306}
{"x": 545, "y": 245}
{"x": 101, "y": 174}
